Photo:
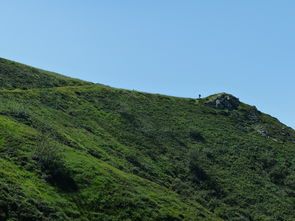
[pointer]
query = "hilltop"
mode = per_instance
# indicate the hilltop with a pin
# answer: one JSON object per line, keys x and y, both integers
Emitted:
{"x": 74, "y": 150}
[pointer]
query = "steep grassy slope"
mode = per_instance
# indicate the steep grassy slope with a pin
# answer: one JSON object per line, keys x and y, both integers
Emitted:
{"x": 74, "y": 150}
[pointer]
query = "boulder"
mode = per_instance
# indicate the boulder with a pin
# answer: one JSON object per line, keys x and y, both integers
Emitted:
{"x": 224, "y": 102}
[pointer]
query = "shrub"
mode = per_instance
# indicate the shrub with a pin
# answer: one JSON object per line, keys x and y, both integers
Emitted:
{"x": 196, "y": 158}
{"x": 196, "y": 135}
{"x": 15, "y": 109}
{"x": 49, "y": 159}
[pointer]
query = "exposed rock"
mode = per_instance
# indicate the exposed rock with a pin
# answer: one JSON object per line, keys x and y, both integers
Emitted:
{"x": 262, "y": 132}
{"x": 285, "y": 133}
{"x": 224, "y": 102}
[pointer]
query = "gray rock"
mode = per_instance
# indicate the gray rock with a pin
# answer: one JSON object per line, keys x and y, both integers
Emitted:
{"x": 224, "y": 102}
{"x": 262, "y": 132}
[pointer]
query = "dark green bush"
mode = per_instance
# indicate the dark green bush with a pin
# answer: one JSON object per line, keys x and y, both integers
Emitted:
{"x": 197, "y": 157}
{"x": 49, "y": 159}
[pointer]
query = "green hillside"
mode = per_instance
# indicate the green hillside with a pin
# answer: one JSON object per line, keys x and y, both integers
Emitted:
{"x": 18, "y": 76}
{"x": 73, "y": 150}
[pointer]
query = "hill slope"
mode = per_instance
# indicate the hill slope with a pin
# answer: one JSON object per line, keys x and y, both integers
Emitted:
{"x": 75, "y": 150}
{"x": 18, "y": 76}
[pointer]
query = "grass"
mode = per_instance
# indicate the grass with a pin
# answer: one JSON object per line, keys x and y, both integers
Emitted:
{"x": 112, "y": 154}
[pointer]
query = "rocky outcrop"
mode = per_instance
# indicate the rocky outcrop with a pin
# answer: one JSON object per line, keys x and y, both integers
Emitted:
{"x": 224, "y": 102}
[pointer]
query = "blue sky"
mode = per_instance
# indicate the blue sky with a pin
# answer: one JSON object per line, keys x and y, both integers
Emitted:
{"x": 180, "y": 48}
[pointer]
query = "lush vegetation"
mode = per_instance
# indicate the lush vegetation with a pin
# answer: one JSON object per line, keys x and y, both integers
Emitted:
{"x": 72, "y": 150}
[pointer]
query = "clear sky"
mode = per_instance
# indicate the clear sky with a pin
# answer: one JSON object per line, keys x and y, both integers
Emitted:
{"x": 180, "y": 48}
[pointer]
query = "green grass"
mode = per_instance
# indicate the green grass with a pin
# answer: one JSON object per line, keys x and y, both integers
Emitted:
{"x": 18, "y": 76}
{"x": 72, "y": 150}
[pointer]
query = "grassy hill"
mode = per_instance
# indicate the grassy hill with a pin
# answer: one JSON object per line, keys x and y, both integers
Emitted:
{"x": 18, "y": 76}
{"x": 73, "y": 150}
